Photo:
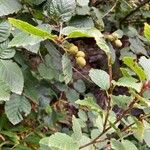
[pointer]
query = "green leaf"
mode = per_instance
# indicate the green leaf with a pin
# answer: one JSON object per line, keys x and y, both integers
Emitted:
{"x": 137, "y": 46}
{"x": 147, "y": 137}
{"x": 129, "y": 82}
{"x": 4, "y": 91}
{"x": 97, "y": 18}
{"x": 128, "y": 145}
{"x": 119, "y": 33}
{"x": 138, "y": 130}
{"x": 102, "y": 44}
{"x": 12, "y": 75}
{"x": 130, "y": 62}
{"x": 61, "y": 10}
{"x": 85, "y": 140}
{"x": 37, "y": 2}
{"x": 6, "y": 8}
{"x": 145, "y": 63}
{"x": 116, "y": 145}
{"x": 4, "y": 31}
{"x": 22, "y": 147}
{"x": 25, "y": 39}
{"x": 81, "y": 22}
{"x": 15, "y": 107}
{"x": 67, "y": 68}
{"x": 83, "y": 2}
{"x": 77, "y": 135}
{"x": 83, "y": 11}
{"x": 73, "y": 32}
{"x": 100, "y": 78}
{"x": 5, "y": 52}
{"x": 79, "y": 85}
{"x": 121, "y": 100}
{"x": 60, "y": 141}
{"x": 72, "y": 95}
{"x": 11, "y": 136}
{"x": 147, "y": 31}
{"x": 26, "y": 27}
{"x": 55, "y": 56}
{"x": 89, "y": 103}
{"x": 46, "y": 72}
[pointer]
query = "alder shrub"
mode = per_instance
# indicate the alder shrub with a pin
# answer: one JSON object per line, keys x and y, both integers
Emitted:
{"x": 74, "y": 75}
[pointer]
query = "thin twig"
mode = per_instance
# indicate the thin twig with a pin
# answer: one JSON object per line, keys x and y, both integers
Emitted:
{"x": 110, "y": 9}
{"x": 108, "y": 128}
{"x": 110, "y": 93}
{"x": 127, "y": 127}
{"x": 133, "y": 11}
{"x": 82, "y": 75}
{"x": 29, "y": 98}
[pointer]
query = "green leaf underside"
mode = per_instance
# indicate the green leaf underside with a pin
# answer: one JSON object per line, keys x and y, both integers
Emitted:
{"x": 100, "y": 78}
{"x": 89, "y": 103}
{"x": 67, "y": 68}
{"x": 4, "y": 91}
{"x": 145, "y": 63}
{"x": 60, "y": 141}
{"x": 15, "y": 107}
{"x": 12, "y": 75}
{"x": 9, "y": 7}
{"x": 123, "y": 145}
{"x": 25, "y": 39}
{"x": 60, "y": 10}
{"x": 5, "y": 52}
{"x": 76, "y": 129}
{"x": 4, "y": 31}
{"x": 129, "y": 82}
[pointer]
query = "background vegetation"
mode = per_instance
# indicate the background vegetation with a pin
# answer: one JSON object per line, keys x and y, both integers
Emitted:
{"x": 74, "y": 74}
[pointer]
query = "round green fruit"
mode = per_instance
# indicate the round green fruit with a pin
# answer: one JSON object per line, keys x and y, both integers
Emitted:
{"x": 73, "y": 50}
{"x": 80, "y": 54}
{"x": 80, "y": 61}
{"x": 118, "y": 43}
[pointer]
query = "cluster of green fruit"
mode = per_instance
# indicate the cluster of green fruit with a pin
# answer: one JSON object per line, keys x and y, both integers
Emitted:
{"x": 114, "y": 38}
{"x": 79, "y": 55}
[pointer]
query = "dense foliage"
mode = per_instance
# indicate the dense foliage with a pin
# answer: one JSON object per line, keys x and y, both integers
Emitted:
{"x": 74, "y": 74}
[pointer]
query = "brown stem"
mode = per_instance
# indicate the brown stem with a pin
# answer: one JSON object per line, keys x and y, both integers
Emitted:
{"x": 108, "y": 128}
{"x": 110, "y": 92}
{"x": 127, "y": 127}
